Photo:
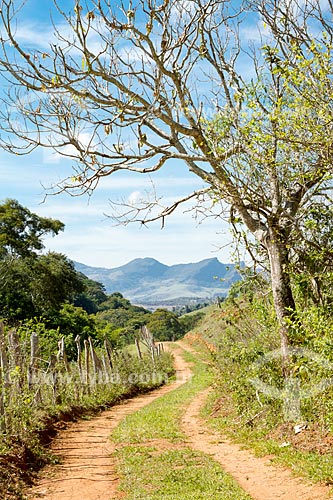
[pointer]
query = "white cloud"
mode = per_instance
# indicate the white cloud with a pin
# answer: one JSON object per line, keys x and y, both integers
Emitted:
{"x": 84, "y": 139}
{"x": 35, "y": 35}
{"x": 69, "y": 210}
{"x": 94, "y": 239}
{"x": 132, "y": 54}
{"x": 135, "y": 197}
{"x": 183, "y": 10}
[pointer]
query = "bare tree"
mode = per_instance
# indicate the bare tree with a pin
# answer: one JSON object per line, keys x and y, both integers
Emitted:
{"x": 135, "y": 88}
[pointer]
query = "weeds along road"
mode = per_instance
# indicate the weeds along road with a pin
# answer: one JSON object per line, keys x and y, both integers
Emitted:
{"x": 166, "y": 459}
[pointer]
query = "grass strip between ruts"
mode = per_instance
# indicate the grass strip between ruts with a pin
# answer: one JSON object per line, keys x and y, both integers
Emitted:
{"x": 153, "y": 459}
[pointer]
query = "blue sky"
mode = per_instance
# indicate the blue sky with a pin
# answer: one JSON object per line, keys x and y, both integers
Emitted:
{"x": 90, "y": 236}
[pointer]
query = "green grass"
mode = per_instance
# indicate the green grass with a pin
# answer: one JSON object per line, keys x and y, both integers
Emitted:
{"x": 132, "y": 349}
{"x": 170, "y": 470}
{"x": 161, "y": 419}
{"x": 181, "y": 474}
{"x": 204, "y": 310}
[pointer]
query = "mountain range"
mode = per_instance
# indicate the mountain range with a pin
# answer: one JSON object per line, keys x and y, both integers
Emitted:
{"x": 149, "y": 282}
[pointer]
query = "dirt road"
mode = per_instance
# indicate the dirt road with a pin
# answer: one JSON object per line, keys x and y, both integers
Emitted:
{"x": 87, "y": 470}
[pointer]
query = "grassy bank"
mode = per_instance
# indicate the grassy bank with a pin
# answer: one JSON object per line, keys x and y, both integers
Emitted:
{"x": 236, "y": 337}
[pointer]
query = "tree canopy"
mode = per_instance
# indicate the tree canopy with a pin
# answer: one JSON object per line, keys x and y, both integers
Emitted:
{"x": 21, "y": 231}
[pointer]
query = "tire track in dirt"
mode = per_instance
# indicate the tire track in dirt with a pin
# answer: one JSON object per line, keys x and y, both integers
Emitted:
{"x": 257, "y": 476}
{"x": 87, "y": 470}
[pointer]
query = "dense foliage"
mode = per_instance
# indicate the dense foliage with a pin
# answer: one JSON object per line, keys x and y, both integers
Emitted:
{"x": 252, "y": 388}
{"x": 21, "y": 231}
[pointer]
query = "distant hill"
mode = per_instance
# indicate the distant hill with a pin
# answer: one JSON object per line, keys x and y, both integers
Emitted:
{"x": 147, "y": 281}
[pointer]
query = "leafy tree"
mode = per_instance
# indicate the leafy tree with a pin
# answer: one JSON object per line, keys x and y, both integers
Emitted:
{"x": 37, "y": 286}
{"x": 312, "y": 265}
{"x": 55, "y": 281}
{"x": 21, "y": 231}
{"x": 15, "y": 291}
{"x": 71, "y": 321}
{"x": 165, "y": 325}
{"x": 119, "y": 320}
{"x": 140, "y": 92}
{"x": 92, "y": 296}
{"x": 32, "y": 285}
{"x": 116, "y": 301}
{"x": 190, "y": 321}
{"x": 119, "y": 312}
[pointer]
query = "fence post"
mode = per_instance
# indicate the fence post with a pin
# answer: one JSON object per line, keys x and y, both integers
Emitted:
{"x": 33, "y": 367}
{"x": 15, "y": 349}
{"x": 97, "y": 365}
{"x": 87, "y": 363}
{"x": 3, "y": 376}
{"x": 148, "y": 340}
{"x": 109, "y": 351}
{"x": 62, "y": 354}
{"x": 54, "y": 378}
{"x": 79, "y": 356}
{"x": 137, "y": 343}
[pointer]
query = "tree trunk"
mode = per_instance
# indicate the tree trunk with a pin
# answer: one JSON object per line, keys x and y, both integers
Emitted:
{"x": 282, "y": 293}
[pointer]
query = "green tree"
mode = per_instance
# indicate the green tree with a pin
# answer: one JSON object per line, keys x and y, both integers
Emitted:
{"x": 71, "y": 321}
{"x": 92, "y": 296}
{"x": 312, "y": 265}
{"x": 115, "y": 301}
{"x": 15, "y": 292}
{"x": 263, "y": 148}
{"x": 32, "y": 284}
{"x": 54, "y": 282}
{"x": 37, "y": 286}
{"x": 190, "y": 321}
{"x": 120, "y": 313}
{"x": 21, "y": 231}
{"x": 164, "y": 325}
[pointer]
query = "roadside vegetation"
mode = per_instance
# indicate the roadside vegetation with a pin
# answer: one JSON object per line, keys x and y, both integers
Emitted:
{"x": 38, "y": 394}
{"x": 289, "y": 419}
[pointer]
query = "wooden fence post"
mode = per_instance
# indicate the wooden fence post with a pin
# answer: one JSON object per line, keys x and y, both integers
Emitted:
{"x": 16, "y": 357}
{"x": 96, "y": 362}
{"x": 87, "y": 363}
{"x": 54, "y": 378}
{"x": 3, "y": 375}
{"x": 62, "y": 356}
{"x": 109, "y": 351}
{"x": 79, "y": 356}
{"x": 33, "y": 366}
{"x": 148, "y": 340}
{"x": 15, "y": 349}
{"x": 137, "y": 343}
